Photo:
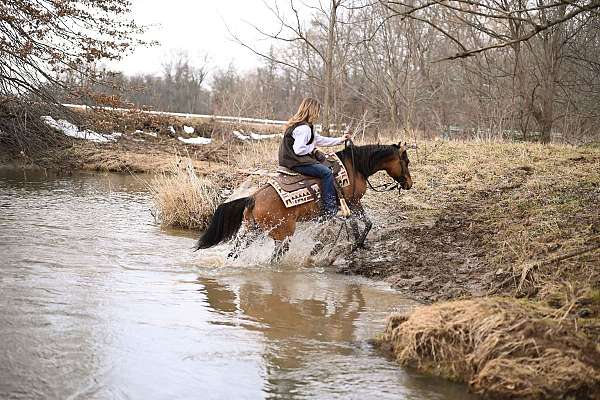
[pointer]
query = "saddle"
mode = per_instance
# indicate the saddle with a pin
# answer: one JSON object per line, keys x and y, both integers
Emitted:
{"x": 295, "y": 189}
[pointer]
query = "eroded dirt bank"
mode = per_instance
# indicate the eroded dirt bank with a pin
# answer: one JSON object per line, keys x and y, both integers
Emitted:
{"x": 486, "y": 219}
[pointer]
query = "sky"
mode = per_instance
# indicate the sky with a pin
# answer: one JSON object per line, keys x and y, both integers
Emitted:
{"x": 198, "y": 27}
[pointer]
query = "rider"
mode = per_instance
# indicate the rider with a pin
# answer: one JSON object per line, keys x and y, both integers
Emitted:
{"x": 297, "y": 150}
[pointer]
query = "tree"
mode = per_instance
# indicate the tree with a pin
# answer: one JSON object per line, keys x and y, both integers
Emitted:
{"x": 315, "y": 44}
{"x": 539, "y": 33}
{"x": 41, "y": 40}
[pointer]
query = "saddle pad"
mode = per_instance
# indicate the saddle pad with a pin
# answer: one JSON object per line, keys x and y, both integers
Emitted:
{"x": 300, "y": 189}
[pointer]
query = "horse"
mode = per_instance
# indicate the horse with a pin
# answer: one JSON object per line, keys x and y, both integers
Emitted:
{"x": 265, "y": 211}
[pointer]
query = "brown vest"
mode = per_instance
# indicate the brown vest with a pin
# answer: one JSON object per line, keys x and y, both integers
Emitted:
{"x": 287, "y": 157}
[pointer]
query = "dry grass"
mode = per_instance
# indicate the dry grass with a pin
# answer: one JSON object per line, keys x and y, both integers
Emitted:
{"x": 500, "y": 347}
{"x": 182, "y": 198}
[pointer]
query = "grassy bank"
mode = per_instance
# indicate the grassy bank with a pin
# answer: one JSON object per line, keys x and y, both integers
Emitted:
{"x": 485, "y": 219}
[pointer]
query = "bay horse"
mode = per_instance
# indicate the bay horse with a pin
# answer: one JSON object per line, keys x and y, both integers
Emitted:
{"x": 265, "y": 211}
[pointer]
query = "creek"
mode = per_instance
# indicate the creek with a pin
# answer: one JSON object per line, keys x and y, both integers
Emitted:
{"x": 97, "y": 301}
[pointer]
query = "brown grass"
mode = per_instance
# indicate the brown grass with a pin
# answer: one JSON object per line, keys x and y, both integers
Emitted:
{"x": 501, "y": 347}
{"x": 182, "y": 198}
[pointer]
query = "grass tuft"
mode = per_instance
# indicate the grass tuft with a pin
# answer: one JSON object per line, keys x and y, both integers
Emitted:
{"x": 182, "y": 198}
{"x": 503, "y": 348}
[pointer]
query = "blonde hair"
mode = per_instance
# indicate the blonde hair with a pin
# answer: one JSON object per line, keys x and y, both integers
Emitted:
{"x": 308, "y": 111}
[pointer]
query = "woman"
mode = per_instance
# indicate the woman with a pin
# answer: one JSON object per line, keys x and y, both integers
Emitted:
{"x": 298, "y": 152}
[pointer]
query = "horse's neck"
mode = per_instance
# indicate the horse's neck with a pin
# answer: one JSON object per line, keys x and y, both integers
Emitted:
{"x": 358, "y": 181}
{"x": 378, "y": 167}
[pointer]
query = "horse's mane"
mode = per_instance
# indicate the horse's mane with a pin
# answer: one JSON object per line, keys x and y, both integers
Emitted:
{"x": 367, "y": 157}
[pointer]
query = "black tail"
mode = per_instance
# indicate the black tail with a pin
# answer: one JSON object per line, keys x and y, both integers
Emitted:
{"x": 225, "y": 222}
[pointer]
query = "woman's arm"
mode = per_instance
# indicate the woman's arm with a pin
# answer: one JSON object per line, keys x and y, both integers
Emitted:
{"x": 328, "y": 141}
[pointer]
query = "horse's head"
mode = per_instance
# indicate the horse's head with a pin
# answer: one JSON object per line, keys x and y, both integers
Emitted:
{"x": 397, "y": 167}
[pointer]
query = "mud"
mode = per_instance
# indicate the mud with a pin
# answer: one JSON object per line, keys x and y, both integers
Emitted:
{"x": 433, "y": 259}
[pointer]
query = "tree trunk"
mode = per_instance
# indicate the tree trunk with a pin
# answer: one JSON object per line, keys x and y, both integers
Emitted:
{"x": 547, "y": 110}
{"x": 328, "y": 101}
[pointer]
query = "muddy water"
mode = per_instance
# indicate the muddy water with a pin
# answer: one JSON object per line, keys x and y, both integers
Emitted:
{"x": 97, "y": 302}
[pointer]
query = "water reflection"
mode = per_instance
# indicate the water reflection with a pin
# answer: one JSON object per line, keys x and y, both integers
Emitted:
{"x": 317, "y": 330}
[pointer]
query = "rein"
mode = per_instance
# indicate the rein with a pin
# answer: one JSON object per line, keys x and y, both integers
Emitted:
{"x": 387, "y": 187}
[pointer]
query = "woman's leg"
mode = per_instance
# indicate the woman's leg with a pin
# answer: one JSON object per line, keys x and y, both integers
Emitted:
{"x": 328, "y": 184}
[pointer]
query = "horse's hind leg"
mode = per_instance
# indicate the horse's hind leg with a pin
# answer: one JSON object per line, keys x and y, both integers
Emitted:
{"x": 281, "y": 247}
{"x": 282, "y": 234}
{"x": 247, "y": 235}
{"x": 242, "y": 242}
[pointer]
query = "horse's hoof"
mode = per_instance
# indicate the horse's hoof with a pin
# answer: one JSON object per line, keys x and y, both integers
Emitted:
{"x": 318, "y": 247}
{"x": 360, "y": 246}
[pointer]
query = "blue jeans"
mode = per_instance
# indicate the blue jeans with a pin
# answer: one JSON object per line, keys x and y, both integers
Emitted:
{"x": 327, "y": 183}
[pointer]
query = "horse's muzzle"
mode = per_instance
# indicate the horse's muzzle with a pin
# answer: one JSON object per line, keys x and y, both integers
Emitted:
{"x": 405, "y": 184}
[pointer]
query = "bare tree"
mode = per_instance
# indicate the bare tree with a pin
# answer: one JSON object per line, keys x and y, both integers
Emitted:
{"x": 316, "y": 41}
{"x": 42, "y": 39}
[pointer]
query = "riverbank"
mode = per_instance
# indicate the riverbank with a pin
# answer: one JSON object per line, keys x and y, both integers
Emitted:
{"x": 482, "y": 218}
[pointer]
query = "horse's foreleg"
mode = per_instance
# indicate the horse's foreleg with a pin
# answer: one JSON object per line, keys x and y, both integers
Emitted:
{"x": 281, "y": 247}
{"x": 355, "y": 228}
{"x": 368, "y": 226}
{"x": 359, "y": 211}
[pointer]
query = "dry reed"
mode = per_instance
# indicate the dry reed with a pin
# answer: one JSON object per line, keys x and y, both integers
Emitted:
{"x": 182, "y": 198}
{"x": 503, "y": 348}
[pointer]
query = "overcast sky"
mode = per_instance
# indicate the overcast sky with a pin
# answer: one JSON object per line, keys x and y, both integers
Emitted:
{"x": 198, "y": 27}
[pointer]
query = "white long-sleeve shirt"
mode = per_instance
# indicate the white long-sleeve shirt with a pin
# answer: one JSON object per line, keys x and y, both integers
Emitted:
{"x": 301, "y": 137}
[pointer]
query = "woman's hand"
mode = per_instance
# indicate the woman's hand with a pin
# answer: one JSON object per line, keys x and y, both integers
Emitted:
{"x": 347, "y": 136}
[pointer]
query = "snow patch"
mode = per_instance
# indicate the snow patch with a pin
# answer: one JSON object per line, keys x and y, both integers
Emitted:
{"x": 197, "y": 140}
{"x": 153, "y": 134}
{"x": 254, "y": 136}
{"x": 240, "y": 135}
{"x": 188, "y": 129}
{"x": 113, "y": 137}
{"x": 72, "y": 130}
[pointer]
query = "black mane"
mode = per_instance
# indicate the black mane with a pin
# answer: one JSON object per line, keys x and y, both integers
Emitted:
{"x": 366, "y": 157}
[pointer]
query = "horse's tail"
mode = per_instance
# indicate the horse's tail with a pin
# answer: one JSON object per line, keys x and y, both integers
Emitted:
{"x": 225, "y": 222}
